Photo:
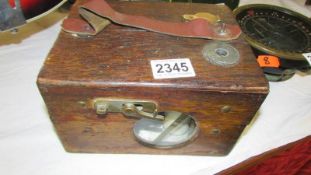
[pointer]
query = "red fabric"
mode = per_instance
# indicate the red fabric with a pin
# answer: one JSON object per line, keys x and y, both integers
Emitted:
{"x": 291, "y": 159}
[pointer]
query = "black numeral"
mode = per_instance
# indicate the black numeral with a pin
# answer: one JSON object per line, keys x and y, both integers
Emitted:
{"x": 168, "y": 68}
{"x": 176, "y": 67}
{"x": 184, "y": 67}
{"x": 160, "y": 68}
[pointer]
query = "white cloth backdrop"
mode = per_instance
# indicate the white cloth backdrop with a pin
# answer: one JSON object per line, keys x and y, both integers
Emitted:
{"x": 29, "y": 144}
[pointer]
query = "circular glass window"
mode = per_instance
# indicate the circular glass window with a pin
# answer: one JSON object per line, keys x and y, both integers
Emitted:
{"x": 177, "y": 129}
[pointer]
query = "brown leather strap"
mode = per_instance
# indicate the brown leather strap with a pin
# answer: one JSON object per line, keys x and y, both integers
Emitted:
{"x": 98, "y": 14}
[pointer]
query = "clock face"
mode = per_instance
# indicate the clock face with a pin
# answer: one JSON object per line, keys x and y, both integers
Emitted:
{"x": 275, "y": 30}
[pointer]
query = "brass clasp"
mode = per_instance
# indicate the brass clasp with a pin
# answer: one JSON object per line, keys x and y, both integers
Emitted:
{"x": 130, "y": 108}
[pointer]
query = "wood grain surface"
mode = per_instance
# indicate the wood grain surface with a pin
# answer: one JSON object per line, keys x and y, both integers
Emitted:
{"x": 116, "y": 64}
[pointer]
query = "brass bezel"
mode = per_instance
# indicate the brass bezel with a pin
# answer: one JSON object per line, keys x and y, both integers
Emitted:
{"x": 264, "y": 48}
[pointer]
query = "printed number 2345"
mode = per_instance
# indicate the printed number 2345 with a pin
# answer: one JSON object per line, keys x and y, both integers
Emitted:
{"x": 162, "y": 68}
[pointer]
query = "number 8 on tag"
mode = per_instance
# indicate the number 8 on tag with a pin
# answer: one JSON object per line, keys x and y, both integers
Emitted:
{"x": 268, "y": 61}
{"x": 172, "y": 68}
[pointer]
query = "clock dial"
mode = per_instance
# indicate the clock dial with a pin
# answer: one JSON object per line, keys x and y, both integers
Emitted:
{"x": 275, "y": 30}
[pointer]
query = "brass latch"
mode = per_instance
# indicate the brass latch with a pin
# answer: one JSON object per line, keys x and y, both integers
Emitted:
{"x": 130, "y": 108}
{"x": 167, "y": 129}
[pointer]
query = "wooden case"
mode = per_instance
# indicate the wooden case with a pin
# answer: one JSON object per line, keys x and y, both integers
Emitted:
{"x": 116, "y": 64}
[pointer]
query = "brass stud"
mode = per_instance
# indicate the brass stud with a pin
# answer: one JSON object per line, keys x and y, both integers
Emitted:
{"x": 82, "y": 103}
{"x": 225, "y": 109}
{"x": 215, "y": 131}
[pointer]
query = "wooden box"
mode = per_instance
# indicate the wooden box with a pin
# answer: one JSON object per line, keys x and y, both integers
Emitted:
{"x": 116, "y": 64}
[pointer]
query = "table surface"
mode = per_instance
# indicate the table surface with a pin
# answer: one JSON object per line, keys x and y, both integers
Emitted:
{"x": 29, "y": 144}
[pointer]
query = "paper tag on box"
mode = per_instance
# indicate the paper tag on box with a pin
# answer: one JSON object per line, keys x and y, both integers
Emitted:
{"x": 172, "y": 68}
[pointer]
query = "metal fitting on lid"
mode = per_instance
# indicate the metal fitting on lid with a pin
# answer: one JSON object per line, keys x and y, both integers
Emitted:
{"x": 221, "y": 54}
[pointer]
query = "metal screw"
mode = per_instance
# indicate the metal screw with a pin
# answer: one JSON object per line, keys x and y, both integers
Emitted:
{"x": 215, "y": 131}
{"x": 101, "y": 108}
{"x": 225, "y": 109}
{"x": 128, "y": 107}
{"x": 221, "y": 27}
{"x": 14, "y": 31}
{"x": 82, "y": 103}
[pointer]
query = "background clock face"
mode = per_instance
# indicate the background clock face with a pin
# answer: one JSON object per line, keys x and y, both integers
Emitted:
{"x": 275, "y": 30}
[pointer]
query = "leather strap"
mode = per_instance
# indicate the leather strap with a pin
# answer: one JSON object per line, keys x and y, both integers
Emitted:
{"x": 98, "y": 14}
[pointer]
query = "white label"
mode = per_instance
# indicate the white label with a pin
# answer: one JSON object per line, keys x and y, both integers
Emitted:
{"x": 172, "y": 68}
{"x": 308, "y": 57}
